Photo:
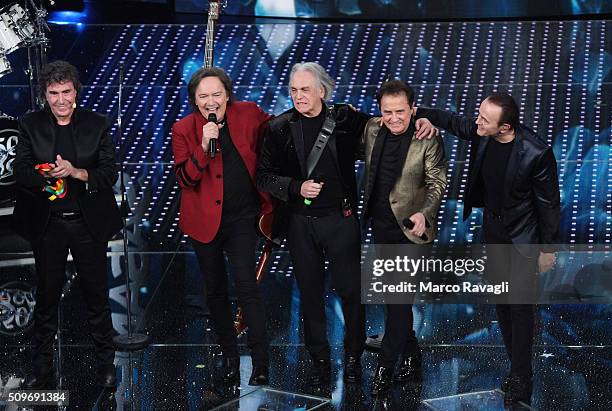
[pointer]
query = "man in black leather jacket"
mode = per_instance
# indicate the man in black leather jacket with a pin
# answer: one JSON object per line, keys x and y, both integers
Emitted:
{"x": 82, "y": 217}
{"x": 320, "y": 211}
{"x": 513, "y": 175}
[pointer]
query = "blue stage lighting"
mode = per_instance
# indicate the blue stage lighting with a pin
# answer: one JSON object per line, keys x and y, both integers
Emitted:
{"x": 68, "y": 17}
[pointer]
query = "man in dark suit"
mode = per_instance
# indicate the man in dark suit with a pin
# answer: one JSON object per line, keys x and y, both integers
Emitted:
{"x": 406, "y": 178}
{"x": 67, "y": 205}
{"x": 513, "y": 175}
{"x": 321, "y": 209}
{"x": 220, "y": 206}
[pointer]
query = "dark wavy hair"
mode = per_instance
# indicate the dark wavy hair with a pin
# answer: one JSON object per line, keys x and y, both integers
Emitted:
{"x": 395, "y": 88}
{"x": 58, "y": 71}
{"x": 209, "y": 72}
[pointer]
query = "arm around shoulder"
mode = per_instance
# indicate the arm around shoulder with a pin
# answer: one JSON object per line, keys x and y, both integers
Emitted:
{"x": 460, "y": 126}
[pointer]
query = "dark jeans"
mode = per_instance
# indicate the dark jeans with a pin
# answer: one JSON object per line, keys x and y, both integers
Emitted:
{"x": 400, "y": 338}
{"x": 237, "y": 240}
{"x": 337, "y": 239}
{"x": 89, "y": 256}
{"x": 516, "y": 321}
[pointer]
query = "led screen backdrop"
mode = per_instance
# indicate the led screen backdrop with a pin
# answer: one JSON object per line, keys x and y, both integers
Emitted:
{"x": 403, "y": 9}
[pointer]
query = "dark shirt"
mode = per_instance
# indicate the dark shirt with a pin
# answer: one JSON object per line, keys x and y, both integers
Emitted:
{"x": 329, "y": 200}
{"x": 240, "y": 199}
{"x": 64, "y": 146}
{"x": 494, "y": 167}
{"x": 386, "y": 176}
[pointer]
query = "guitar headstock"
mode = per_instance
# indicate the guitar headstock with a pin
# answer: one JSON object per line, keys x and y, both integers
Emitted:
{"x": 214, "y": 7}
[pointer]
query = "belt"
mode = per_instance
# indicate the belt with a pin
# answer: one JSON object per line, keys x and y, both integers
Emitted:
{"x": 67, "y": 215}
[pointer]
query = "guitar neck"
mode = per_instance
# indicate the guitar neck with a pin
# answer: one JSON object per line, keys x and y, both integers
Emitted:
{"x": 213, "y": 15}
{"x": 208, "y": 51}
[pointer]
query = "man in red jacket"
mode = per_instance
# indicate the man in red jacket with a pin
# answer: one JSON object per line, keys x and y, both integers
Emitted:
{"x": 220, "y": 206}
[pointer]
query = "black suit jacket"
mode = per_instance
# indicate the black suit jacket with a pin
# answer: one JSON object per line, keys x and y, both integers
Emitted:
{"x": 281, "y": 168}
{"x": 94, "y": 152}
{"x": 531, "y": 190}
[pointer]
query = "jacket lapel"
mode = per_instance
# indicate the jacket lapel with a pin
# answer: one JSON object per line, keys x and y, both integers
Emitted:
{"x": 51, "y": 131}
{"x": 404, "y": 148}
{"x": 379, "y": 143}
{"x": 239, "y": 136}
{"x": 73, "y": 128}
{"x": 298, "y": 141}
{"x": 482, "y": 149}
{"x": 514, "y": 161}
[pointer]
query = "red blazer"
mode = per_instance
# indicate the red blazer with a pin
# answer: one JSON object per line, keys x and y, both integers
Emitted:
{"x": 201, "y": 178}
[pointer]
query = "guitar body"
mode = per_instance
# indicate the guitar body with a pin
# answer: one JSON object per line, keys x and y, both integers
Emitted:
{"x": 265, "y": 225}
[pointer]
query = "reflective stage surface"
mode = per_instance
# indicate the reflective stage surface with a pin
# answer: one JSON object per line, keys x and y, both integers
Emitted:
{"x": 464, "y": 360}
{"x": 187, "y": 377}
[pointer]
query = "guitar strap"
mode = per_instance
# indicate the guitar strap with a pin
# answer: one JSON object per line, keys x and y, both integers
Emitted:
{"x": 317, "y": 149}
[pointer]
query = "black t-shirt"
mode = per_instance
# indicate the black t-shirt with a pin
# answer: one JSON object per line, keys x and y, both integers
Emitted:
{"x": 386, "y": 176}
{"x": 329, "y": 200}
{"x": 240, "y": 199}
{"x": 494, "y": 167}
{"x": 64, "y": 146}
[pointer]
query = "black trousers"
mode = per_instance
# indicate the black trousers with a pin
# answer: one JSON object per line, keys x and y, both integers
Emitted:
{"x": 89, "y": 256}
{"x": 238, "y": 241}
{"x": 337, "y": 239}
{"x": 516, "y": 321}
{"x": 400, "y": 338}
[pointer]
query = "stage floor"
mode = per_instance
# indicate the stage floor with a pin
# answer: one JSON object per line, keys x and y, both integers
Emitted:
{"x": 185, "y": 377}
{"x": 464, "y": 359}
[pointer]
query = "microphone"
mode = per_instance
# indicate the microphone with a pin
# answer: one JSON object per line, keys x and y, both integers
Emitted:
{"x": 409, "y": 224}
{"x": 316, "y": 179}
{"x": 212, "y": 143}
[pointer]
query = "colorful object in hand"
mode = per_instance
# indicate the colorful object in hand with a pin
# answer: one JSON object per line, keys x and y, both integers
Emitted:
{"x": 57, "y": 189}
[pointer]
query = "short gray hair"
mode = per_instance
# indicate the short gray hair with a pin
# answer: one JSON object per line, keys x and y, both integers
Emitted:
{"x": 320, "y": 74}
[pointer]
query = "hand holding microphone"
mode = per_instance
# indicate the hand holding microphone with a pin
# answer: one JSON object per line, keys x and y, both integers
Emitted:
{"x": 210, "y": 134}
{"x": 416, "y": 224}
{"x": 310, "y": 189}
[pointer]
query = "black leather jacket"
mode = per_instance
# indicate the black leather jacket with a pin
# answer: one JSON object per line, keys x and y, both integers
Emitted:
{"x": 94, "y": 152}
{"x": 531, "y": 211}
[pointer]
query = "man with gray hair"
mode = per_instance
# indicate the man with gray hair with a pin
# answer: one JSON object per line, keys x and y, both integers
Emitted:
{"x": 308, "y": 162}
